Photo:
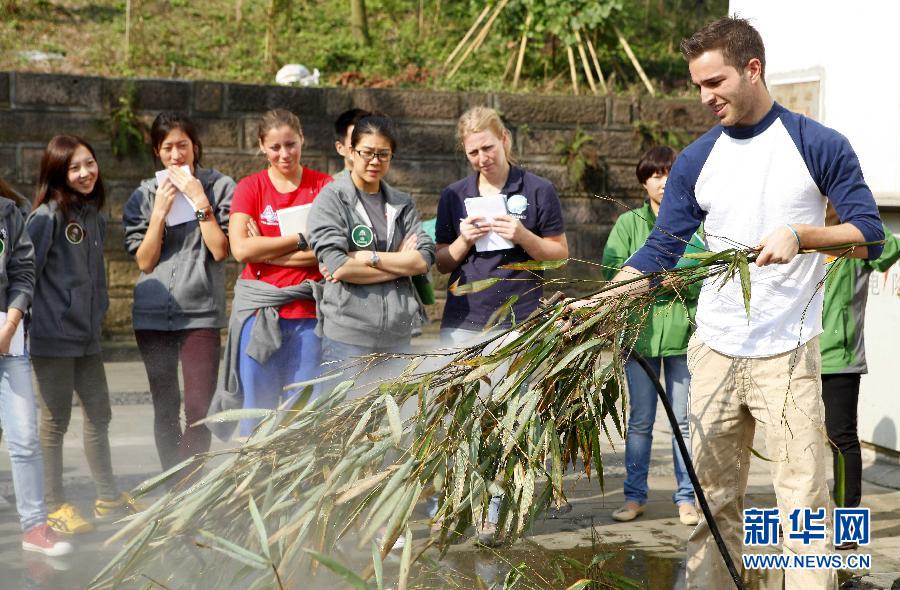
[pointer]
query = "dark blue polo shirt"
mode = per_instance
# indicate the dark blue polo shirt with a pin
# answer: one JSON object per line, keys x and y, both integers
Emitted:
{"x": 542, "y": 215}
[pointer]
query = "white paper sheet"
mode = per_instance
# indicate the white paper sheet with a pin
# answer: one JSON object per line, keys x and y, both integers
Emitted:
{"x": 489, "y": 208}
{"x": 182, "y": 209}
{"x": 292, "y": 220}
{"x": 17, "y": 344}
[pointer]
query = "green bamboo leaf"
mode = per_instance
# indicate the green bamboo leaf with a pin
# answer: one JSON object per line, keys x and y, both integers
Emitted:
{"x": 335, "y": 566}
{"x": 578, "y": 350}
{"x": 840, "y": 480}
{"x": 500, "y": 314}
{"x": 758, "y": 454}
{"x": 536, "y": 265}
{"x": 378, "y": 566}
{"x": 260, "y": 528}
{"x": 744, "y": 268}
{"x": 405, "y": 561}
{"x": 393, "y": 416}
{"x": 622, "y": 582}
{"x": 473, "y": 287}
{"x": 578, "y": 585}
{"x": 235, "y": 551}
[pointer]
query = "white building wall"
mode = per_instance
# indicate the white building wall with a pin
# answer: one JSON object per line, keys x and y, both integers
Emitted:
{"x": 853, "y": 49}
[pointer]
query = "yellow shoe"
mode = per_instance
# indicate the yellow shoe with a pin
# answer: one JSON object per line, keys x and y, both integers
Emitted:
{"x": 122, "y": 506}
{"x": 67, "y": 520}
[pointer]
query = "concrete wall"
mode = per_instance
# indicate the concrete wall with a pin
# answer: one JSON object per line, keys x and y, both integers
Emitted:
{"x": 34, "y": 107}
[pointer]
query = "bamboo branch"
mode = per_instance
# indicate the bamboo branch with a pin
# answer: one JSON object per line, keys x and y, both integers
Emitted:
{"x": 572, "y": 72}
{"x": 479, "y": 39}
{"x": 468, "y": 35}
{"x": 584, "y": 63}
{"x": 602, "y": 81}
{"x": 521, "y": 57}
{"x": 635, "y": 63}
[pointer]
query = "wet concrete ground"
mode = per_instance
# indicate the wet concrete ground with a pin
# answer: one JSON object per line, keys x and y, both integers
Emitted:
{"x": 649, "y": 549}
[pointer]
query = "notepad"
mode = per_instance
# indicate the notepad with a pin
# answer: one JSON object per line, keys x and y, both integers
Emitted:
{"x": 489, "y": 208}
{"x": 182, "y": 209}
{"x": 17, "y": 344}
{"x": 292, "y": 220}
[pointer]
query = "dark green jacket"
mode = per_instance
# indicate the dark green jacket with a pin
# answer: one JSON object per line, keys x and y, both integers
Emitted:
{"x": 846, "y": 291}
{"x": 669, "y": 324}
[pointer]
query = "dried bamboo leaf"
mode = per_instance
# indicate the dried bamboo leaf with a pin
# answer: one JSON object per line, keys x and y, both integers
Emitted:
{"x": 260, "y": 528}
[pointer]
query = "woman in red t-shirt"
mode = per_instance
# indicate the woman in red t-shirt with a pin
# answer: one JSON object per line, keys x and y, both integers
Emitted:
{"x": 266, "y": 232}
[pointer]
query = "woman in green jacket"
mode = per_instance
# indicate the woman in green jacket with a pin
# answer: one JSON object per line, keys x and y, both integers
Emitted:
{"x": 662, "y": 341}
{"x": 844, "y": 357}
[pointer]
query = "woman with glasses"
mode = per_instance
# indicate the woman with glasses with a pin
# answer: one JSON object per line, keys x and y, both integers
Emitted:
{"x": 369, "y": 240}
{"x": 273, "y": 323}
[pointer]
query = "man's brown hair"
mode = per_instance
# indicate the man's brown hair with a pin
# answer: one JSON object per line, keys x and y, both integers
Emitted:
{"x": 735, "y": 37}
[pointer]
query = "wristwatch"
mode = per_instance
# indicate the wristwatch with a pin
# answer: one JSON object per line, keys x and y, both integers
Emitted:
{"x": 375, "y": 260}
{"x": 302, "y": 244}
{"x": 203, "y": 214}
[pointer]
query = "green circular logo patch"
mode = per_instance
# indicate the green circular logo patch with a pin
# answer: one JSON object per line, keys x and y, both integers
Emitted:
{"x": 362, "y": 236}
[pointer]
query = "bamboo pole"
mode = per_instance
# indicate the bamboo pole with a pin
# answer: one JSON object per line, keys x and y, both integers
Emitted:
{"x": 572, "y": 72}
{"x": 584, "y": 63}
{"x": 635, "y": 63}
{"x": 521, "y": 57}
{"x": 509, "y": 65}
{"x": 468, "y": 34}
{"x": 127, "y": 32}
{"x": 479, "y": 39}
{"x": 596, "y": 61}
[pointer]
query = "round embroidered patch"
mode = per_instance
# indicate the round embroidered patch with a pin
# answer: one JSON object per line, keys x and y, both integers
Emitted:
{"x": 516, "y": 204}
{"x": 74, "y": 233}
{"x": 362, "y": 236}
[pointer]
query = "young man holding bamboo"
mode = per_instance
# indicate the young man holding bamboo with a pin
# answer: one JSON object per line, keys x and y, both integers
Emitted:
{"x": 760, "y": 178}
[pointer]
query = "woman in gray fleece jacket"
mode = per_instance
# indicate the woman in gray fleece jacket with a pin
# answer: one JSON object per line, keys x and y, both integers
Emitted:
{"x": 369, "y": 241}
{"x": 179, "y": 299}
{"x": 70, "y": 300}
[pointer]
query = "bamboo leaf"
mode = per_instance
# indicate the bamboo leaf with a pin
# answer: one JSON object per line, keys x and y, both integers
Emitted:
{"x": 578, "y": 585}
{"x": 578, "y": 350}
{"x": 840, "y": 480}
{"x": 236, "y": 551}
{"x": 236, "y": 415}
{"x": 744, "y": 270}
{"x": 260, "y": 528}
{"x": 335, "y": 566}
{"x": 405, "y": 561}
{"x": 536, "y": 265}
{"x": 500, "y": 314}
{"x": 473, "y": 287}
{"x": 393, "y": 416}
{"x": 758, "y": 454}
{"x": 378, "y": 566}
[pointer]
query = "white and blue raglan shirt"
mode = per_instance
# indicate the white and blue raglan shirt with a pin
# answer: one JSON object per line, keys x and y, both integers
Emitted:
{"x": 743, "y": 183}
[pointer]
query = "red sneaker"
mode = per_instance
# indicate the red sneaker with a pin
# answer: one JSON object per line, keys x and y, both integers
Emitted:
{"x": 43, "y": 539}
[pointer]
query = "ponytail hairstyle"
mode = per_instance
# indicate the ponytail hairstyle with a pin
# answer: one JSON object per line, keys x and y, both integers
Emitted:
{"x": 52, "y": 184}
{"x": 478, "y": 119}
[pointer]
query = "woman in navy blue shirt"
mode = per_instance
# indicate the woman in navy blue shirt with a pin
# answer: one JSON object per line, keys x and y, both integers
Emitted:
{"x": 533, "y": 227}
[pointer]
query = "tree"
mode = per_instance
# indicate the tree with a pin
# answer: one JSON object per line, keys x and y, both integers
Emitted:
{"x": 359, "y": 24}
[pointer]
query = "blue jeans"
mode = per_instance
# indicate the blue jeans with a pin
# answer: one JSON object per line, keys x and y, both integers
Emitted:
{"x": 641, "y": 416}
{"x": 297, "y": 360}
{"x": 18, "y": 416}
{"x": 345, "y": 359}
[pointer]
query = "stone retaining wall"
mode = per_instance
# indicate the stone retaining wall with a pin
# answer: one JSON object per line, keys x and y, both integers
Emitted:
{"x": 34, "y": 107}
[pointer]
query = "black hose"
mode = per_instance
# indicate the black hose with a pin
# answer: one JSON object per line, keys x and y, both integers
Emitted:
{"x": 689, "y": 465}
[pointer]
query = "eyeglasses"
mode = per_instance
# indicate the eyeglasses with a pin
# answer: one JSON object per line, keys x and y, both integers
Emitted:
{"x": 367, "y": 155}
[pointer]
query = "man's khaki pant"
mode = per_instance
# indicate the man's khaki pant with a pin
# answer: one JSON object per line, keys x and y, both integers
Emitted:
{"x": 728, "y": 397}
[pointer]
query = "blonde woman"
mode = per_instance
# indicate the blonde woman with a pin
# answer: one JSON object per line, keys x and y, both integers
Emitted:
{"x": 531, "y": 227}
